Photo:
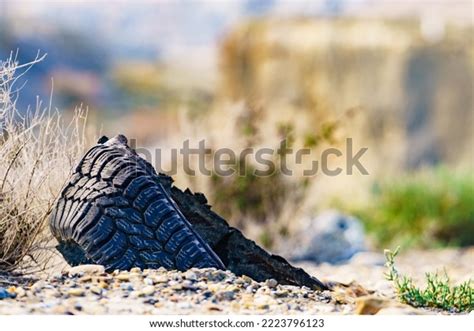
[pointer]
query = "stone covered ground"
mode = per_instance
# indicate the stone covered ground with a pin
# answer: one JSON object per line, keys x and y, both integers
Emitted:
{"x": 357, "y": 287}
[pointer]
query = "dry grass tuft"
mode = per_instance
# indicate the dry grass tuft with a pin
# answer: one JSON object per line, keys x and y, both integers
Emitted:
{"x": 37, "y": 151}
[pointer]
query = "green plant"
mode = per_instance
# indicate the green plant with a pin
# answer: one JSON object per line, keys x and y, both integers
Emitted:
{"x": 437, "y": 294}
{"x": 431, "y": 208}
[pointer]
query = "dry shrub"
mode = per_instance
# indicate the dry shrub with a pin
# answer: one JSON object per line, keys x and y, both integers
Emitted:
{"x": 37, "y": 153}
{"x": 265, "y": 207}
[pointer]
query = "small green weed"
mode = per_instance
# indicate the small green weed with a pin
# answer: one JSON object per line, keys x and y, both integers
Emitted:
{"x": 437, "y": 294}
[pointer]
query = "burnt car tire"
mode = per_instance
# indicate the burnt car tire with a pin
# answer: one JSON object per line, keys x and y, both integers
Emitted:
{"x": 113, "y": 211}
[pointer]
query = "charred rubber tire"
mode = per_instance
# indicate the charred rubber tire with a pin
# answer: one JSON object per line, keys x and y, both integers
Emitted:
{"x": 115, "y": 210}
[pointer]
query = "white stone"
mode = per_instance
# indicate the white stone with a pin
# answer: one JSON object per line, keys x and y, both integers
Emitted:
{"x": 86, "y": 269}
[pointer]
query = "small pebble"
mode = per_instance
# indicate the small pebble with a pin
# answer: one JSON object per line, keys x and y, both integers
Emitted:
{"x": 103, "y": 285}
{"x": 271, "y": 283}
{"x": 126, "y": 287}
{"x": 148, "y": 281}
{"x": 76, "y": 292}
{"x": 148, "y": 290}
{"x": 161, "y": 279}
{"x": 191, "y": 275}
{"x": 38, "y": 286}
{"x": 246, "y": 279}
{"x": 227, "y": 295}
{"x": 123, "y": 277}
{"x": 86, "y": 269}
{"x": 20, "y": 292}
{"x": 4, "y": 293}
{"x": 12, "y": 291}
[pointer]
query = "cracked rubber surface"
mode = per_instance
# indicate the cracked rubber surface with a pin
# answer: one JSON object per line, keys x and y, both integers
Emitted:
{"x": 114, "y": 212}
{"x": 240, "y": 255}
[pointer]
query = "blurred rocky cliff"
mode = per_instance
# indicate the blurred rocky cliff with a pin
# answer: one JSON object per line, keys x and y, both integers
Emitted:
{"x": 411, "y": 82}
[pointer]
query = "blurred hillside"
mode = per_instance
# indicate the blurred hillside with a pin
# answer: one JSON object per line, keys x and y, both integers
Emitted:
{"x": 87, "y": 40}
{"x": 413, "y": 91}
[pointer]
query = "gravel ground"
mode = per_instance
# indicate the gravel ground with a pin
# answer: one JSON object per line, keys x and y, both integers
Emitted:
{"x": 359, "y": 288}
{"x": 368, "y": 269}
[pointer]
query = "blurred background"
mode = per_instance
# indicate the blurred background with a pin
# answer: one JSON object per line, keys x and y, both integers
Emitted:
{"x": 395, "y": 76}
